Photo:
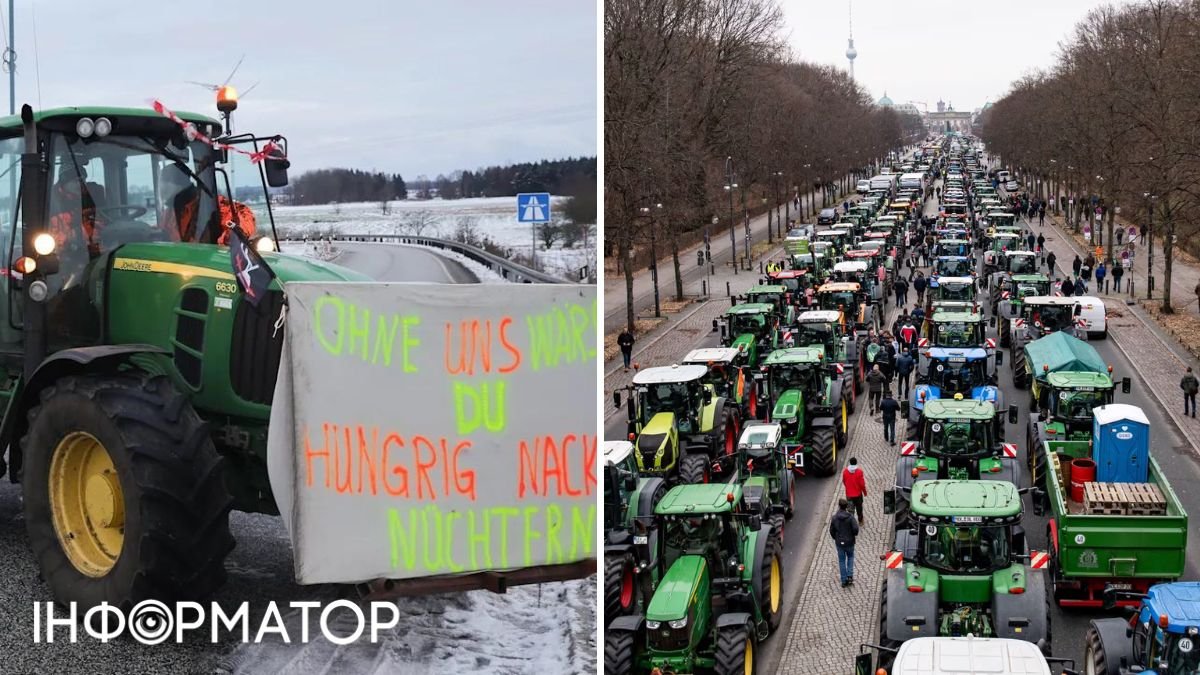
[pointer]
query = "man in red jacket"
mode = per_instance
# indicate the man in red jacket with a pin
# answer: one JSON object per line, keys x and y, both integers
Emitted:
{"x": 856, "y": 486}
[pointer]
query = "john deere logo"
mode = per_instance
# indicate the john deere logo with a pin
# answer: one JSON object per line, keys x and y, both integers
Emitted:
{"x": 1088, "y": 559}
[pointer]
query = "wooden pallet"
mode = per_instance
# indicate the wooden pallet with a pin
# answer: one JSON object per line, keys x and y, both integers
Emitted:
{"x": 1145, "y": 499}
{"x": 1103, "y": 499}
{"x": 1135, "y": 499}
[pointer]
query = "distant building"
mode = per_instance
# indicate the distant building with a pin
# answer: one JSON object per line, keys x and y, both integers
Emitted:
{"x": 948, "y": 119}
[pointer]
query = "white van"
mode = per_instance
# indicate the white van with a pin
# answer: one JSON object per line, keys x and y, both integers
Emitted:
{"x": 1091, "y": 315}
{"x": 912, "y": 181}
{"x": 883, "y": 182}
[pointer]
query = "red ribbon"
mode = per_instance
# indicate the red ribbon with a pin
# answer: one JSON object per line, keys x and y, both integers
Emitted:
{"x": 193, "y": 134}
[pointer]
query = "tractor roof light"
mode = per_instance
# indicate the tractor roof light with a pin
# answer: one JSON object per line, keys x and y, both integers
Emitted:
{"x": 1163, "y": 622}
{"x": 729, "y": 497}
{"x": 1110, "y": 369}
{"x": 1045, "y": 367}
{"x": 25, "y": 265}
{"x": 227, "y": 99}
{"x": 915, "y": 472}
{"x": 44, "y": 243}
{"x": 1016, "y": 590}
{"x": 265, "y": 245}
{"x": 103, "y": 126}
{"x": 84, "y": 127}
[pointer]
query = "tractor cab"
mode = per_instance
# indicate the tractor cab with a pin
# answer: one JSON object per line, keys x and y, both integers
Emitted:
{"x": 1071, "y": 397}
{"x": 1010, "y": 294}
{"x": 852, "y": 271}
{"x": 1043, "y": 315}
{"x": 957, "y": 289}
{"x": 958, "y": 428}
{"x": 998, "y": 245}
{"x": 849, "y": 299}
{"x": 820, "y": 328}
{"x": 620, "y": 481}
{"x": 955, "y": 329}
{"x": 794, "y": 281}
{"x": 727, "y": 376}
{"x": 953, "y": 266}
{"x": 751, "y": 327}
{"x": 967, "y": 527}
{"x": 946, "y": 372}
{"x": 815, "y": 262}
{"x": 809, "y": 403}
{"x": 955, "y": 247}
{"x": 666, "y": 407}
{"x": 839, "y": 240}
{"x": 1160, "y": 638}
{"x": 775, "y": 295}
{"x": 766, "y": 470}
{"x": 955, "y": 438}
{"x": 1019, "y": 262}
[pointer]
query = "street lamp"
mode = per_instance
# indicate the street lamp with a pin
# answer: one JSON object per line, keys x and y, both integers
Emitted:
{"x": 1054, "y": 183}
{"x": 646, "y": 210}
{"x": 1150, "y": 200}
{"x": 730, "y": 186}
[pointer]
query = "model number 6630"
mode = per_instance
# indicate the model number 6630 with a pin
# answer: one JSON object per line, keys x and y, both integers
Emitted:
{"x": 226, "y": 287}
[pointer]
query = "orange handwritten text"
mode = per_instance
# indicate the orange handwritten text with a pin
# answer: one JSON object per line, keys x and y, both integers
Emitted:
{"x": 354, "y": 459}
{"x": 475, "y": 347}
{"x": 546, "y": 468}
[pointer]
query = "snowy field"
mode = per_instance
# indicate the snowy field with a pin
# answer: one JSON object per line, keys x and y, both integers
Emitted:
{"x": 492, "y": 219}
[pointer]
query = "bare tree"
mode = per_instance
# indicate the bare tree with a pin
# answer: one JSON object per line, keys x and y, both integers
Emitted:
{"x": 417, "y": 221}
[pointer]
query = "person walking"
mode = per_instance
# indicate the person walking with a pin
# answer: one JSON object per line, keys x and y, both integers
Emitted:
{"x": 1066, "y": 287}
{"x": 901, "y": 288}
{"x": 889, "y": 406}
{"x": 1042, "y": 214}
{"x": 1041, "y": 242}
{"x": 1076, "y": 264}
{"x": 875, "y": 381}
{"x": 1119, "y": 234}
{"x": 855, "y": 482}
{"x": 1117, "y": 272}
{"x": 1101, "y": 272}
{"x": 1190, "y": 385}
{"x": 1050, "y": 258}
{"x": 1030, "y": 240}
{"x": 904, "y": 368}
{"x": 625, "y": 342}
{"x": 844, "y": 530}
{"x": 1197, "y": 290}
{"x": 919, "y": 285}
{"x": 908, "y": 334}
{"x": 1080, "y": 286}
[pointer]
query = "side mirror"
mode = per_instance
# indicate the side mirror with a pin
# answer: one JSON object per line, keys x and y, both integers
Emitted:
{"x": 1125, "y": 385}
{"x": 714, "y": 326}
{"x": 1078, "y": 310}
{"x": 733, "y": 300}
{"x": 708, "y": 397}
{"x": 1109, "y": 598}
{"x": 992, "y": 321}
{"x": 755, "y": 522}
{"x": 1038, "y": 498}
{"x": 276, "y": 169}
{"x": 864, "y": 664}
{"x": 1012, "y": 414}
{"x": 617, "y": 400}
{"x": 889, "y": 501}
{"x": 904, "y": 409}
{"x": 631, "y": 482}
{"x": 999, "y": 354}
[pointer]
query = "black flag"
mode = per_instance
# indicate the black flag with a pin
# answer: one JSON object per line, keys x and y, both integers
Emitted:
{"x": 252, "y": 273}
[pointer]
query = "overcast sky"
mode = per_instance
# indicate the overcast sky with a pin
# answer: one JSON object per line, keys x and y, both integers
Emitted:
{"x": 964, "y": 52}
{"x": 409, "y": 87}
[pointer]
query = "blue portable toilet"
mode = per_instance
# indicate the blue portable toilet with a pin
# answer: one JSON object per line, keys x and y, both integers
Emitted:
{"x": 1121, "y": 443}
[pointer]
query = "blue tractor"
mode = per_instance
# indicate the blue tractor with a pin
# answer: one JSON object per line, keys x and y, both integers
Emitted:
{"x": 1162, "y": 638}
{"x": 947, "y": 371}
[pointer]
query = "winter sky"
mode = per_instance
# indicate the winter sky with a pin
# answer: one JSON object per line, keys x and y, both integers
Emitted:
{"x": 409, "y": 87}
{"x": 966, "y": 53}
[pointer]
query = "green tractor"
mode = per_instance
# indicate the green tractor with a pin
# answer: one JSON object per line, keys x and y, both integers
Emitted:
{"x": 811, "y": 401}
{"x": 1008, "y": 295}
{"x": 960, "y": 567}
{"x": 138, "y": 377}
{"x": 956, "y": 439}
{"x": 678, "y": 424}
{"x": 821, "y": 328}
{"x": 777, "y": 295}
{"x": 630, "y": 540}
{"x": 728, "y": 377}
{"x": 752, "y": 328}
{"x": 766, "y": 471}
{"x": 721, "y": 594}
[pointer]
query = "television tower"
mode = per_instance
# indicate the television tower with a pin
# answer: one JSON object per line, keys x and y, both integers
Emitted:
{"x": 851, "y": 52}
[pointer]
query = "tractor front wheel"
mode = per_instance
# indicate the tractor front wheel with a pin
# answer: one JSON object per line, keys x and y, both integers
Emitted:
{"x": 824, "y": 451}
{"x": 619, "y": 646}
{"x": 772, "y": 577}
{"x": 693, "y": 468}
{"x": 124, "y": 493}
{"x": 1095, "y": 661}
{"x": 842, "y": 423}
{"x": 735, "y": 651}
{"x": 620, "y": 591}
{"x": 885, "y": 656}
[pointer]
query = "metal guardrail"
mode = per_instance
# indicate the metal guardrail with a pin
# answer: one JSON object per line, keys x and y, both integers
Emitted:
{"x": 507, "y": 269}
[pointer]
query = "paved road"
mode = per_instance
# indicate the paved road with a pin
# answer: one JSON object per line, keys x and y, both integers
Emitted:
{"x": 396, "y": 262}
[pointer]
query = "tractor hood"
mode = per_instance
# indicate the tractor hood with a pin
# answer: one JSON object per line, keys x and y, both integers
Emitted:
{"x": 210, "y": 260}
{"x": 787, "y": 405}
{"x": 656, "y": 439}
{"x": 932, "y": 391}
{"x": 677, "y": 588}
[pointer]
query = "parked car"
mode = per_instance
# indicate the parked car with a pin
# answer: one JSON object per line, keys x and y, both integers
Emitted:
{"x": 863, "y": 187}
{"x": 827, "y": 217}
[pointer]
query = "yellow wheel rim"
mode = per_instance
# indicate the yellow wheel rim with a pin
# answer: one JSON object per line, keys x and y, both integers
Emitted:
{"x": 749, "y": 657}
{"x": 775, "y": 585}
{"x": 845, "y": 424}
{"x": 87, "y": 504}
{"x": 834, "y": 449}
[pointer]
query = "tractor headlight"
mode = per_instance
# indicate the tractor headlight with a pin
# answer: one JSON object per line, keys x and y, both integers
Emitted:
{"x": 84, "y": 127}
{"x": 653, "y": 625}
{"x": 790, "y": 420}
{"x": 103, "y": 126}
{"x": 678, "y": 623}
{"x": 44, "y": 243}
{"x": 264, "y": 245}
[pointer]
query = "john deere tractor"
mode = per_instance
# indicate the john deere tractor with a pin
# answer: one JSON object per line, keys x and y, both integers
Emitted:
{"x": 810, "y": 400}
{"x": 729, "y": 377}
{"x": 960, "y": 567}
{"x": 857, "y": 312}
{"x": 721, "y": 594}
{"x": 820, "y": 328}
{"x": 766, "y": 469}
{"x": 630, "y": 539}
{"x": 956, "y": 439}
{"x": 773, "y": 294}
{"x": 138, "y": 378}
{"x": 752, "y": 328}
{"x": 677, "y": 423}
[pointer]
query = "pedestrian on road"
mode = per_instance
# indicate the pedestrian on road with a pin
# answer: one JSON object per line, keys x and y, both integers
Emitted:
{"x": 918, "y": 315}
{"x": 1101, "y": 272}
{"x": 889, "y": 406}
{"x": 1190, "y": 385}
{"x": 625, "y": 342}
{"x": 875, "y": 381}
{"x": 1119, "y": 234}
{"x": 1076, "y": 264}
{"x": 1030, "y": 240}
{"x": 1080, "y": 286}
{"x": 919, "y": 284}
{"x": 844, "y": 530}
{"x": 855, "y": 482}
{"x": 1050, "y": 258}
{"x": 908, "y": 335}
{"x": 1066, "y": 287}
{"x": 901, "y": 287}
{"x": 1117, "y": 273}
{"x": 1042, "y": 214}
{"x": 1041, "y": 242}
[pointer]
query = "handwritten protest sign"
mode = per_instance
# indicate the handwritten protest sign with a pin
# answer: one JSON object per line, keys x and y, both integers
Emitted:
{"x": 423, "y": 429}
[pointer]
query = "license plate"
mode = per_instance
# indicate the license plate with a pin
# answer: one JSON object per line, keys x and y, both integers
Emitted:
{"x": 641, "y": 539}
{"x": 968, "y": 519}
{"x": 1121, "y": 587}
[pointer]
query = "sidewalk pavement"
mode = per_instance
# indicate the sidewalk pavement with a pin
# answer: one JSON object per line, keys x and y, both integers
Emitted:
{"x": 1160, "y": 362}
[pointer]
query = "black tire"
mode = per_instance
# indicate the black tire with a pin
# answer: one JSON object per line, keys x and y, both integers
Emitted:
{"x": 619, "y": 652}
{"x": 772, "y": 553}
{"x": 734, "y": 645}
{"x": 693, "y": 468}
{"x": 842, "y": 428}
{"x": 1047, "y": 645}
{"x": 1005, "y": 335}
{"x": 790, "y": 510}
{"x": 885, "y": 657}
{"x": 777, "y": 521}
{"x": 620, "y": 588}
{"x": 1094, "y": 652}
{"x": 823, "y": 457}
{"x": 176, "y": 508}
{"x": 1020, "y": 377}
{"x": 850, "y": 398}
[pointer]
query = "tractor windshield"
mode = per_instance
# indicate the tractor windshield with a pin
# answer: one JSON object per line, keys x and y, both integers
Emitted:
{"x": 839, "y": 299}
{"x": 1049, "y": 317}
{"x": 957, "y": 248}
{"x": 955, "y": 291}
{"x": 953, "y": 267}
{"x": 816, "y": 333}
{"x": 770, "y": 298}
{"x": 1022, "y": 264}
{"x": 957, "y": 333}
{"x": 954, "y": 438}
{"x": 957, "y": 375}
{"x": 792, "y": 284}
{"x": 793, "y": 376}
{"x": 1078, "y": 405}
{"x": 740, "y": 324}
{"x": 696, "y": 534}
{"x": 674, "y": 397}
{"x": 720, "y": 376}
{"x": 964, "y": 549}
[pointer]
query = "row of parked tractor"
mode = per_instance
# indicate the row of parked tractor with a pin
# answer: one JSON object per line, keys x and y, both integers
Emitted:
{"x": 698, "y": 495}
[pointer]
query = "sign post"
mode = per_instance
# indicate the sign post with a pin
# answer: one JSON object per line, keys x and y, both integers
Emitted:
{"x": 533, "y": 208}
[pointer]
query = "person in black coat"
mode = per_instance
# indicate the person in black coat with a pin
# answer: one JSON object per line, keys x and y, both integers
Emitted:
{"x": 844, "y": 530}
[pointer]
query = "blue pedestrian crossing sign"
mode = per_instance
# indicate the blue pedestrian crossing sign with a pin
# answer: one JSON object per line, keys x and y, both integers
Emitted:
{"x": 533, "y": 207}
